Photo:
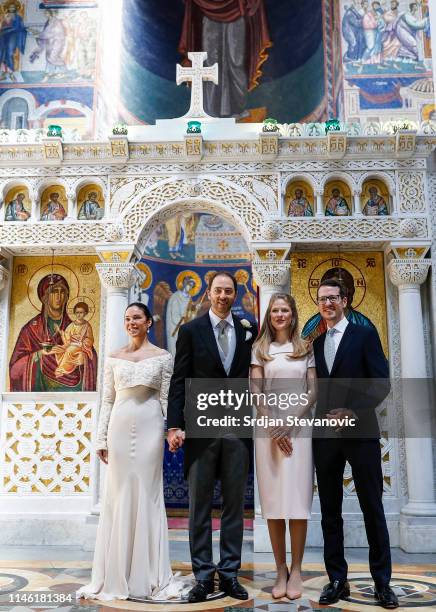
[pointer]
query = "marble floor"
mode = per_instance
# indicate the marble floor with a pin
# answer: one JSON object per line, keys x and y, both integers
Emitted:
{"x": 56, "y": 573}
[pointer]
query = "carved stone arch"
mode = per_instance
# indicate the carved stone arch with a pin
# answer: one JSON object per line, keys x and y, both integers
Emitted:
{"x": 84, "y": 180}
{"x": 300, "y": 176}
{"x": 10, "y": 183}
{"x": 209, "y": 194}
{"x": 382, "y": 176}
{"x": 340, "y": 176}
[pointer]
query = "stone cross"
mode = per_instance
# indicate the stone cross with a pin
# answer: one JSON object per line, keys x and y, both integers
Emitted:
{"x": 197, "y": 73}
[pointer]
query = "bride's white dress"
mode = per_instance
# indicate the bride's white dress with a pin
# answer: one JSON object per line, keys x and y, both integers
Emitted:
{"x": 131, "y": 556}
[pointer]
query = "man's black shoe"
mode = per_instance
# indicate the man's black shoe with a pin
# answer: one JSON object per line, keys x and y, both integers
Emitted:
{"x": 201, "y": 590}
{"x": 386, "y": 597}
{"x": 232, "y": 588}
{"x": 334, "y": 591}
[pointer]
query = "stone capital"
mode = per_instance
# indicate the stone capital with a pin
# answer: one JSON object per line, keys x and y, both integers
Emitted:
{"x": 271, "y": 274}
{"x": 4, "y": 275}
{"x": 117, "y": 275}
{"x": 408, "y": 271}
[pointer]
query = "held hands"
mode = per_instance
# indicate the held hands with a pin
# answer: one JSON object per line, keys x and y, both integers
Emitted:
{"x": 341, "y": 413}
{"x": 175, "y": 439}
{"x": 102, "y": 454}
{"x": 282, "y": 437}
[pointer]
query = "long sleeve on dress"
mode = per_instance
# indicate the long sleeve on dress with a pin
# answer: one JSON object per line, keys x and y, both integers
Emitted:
{"x": 167, "y": 371}
{"x": 108, "y": 399}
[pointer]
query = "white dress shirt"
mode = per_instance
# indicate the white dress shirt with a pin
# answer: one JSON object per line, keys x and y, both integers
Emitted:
{"x": 231, "y": 337}
{"x": 340, "y": 328}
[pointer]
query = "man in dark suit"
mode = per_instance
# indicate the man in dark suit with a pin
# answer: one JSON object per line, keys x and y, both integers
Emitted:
{"x": 346, "y": 356}
{"x": 216, "y": 345}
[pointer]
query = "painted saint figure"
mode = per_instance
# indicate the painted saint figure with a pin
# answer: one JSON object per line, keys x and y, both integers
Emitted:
{"x": 391, "y": 44}
{"x": 406, "y": 29}
{"x": 352, "y": 31}
{"x": 78, "y": 342}
{"x": 179, "y": 311}
{"x": 13, "y": 37}
{"x": 54, "y": 211}
{"x": 52, "y": 40}
{"x": 337, "y": 205}
{"x": 33, "y": 364}
{"x": 15, "y": 210}
{"x": 376, "y": 205}
{"x": 90, "y": 208}
{"x": 300, "y": 205}
{"x": 235, "y": 35}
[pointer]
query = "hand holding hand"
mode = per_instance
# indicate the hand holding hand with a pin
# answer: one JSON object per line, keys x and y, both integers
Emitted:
{"x": 340, "y": 413}
{"x": 175, "y": 438}
{"x": 103, "y": 454}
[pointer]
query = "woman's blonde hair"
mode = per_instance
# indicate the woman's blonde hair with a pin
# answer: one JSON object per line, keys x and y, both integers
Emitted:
{"x": 267, "y": 333}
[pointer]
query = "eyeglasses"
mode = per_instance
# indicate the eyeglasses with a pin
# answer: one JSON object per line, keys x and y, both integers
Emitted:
{"x": 334, "y": 299}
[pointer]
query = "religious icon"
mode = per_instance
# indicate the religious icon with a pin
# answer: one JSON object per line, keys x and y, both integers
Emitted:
{"x": 90, "y": 203}
{"x": 78, "y": 342}
{"x": 50, "y": 344}
{"x": 17, "y": 204}
{"x": 375, "y": 199}
{"x": 337, "y": 205}
{"x": 180, "y": 231}
{"x": 53, "y": 204}
{"x": 299, "y": 199}
{"x": 13, "y": 35}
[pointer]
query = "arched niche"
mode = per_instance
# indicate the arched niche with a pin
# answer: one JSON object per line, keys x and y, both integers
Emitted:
{"x": 337, "y": 198}
{"x": 375, "y": 198}
{"x": 299, "y": 199}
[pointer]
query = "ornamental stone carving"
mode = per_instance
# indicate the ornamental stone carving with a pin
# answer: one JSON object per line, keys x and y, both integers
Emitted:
{"x": 271, "y": 231}
{"x": 4, "y": 274}
{"x": 117, "y": 275}
{"x": 114, "y": 232}
{"x": 411, "y": 191}
{"x": 408, "y": 271}
{"x": 267, "y": 274}
{"x": 409, "y": 228}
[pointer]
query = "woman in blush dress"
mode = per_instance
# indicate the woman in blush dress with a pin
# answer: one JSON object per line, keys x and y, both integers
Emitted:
{"x": 284, "y": 464}
{"x": 131, "y": 556}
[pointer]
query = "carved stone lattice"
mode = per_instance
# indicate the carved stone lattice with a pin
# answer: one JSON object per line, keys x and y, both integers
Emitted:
{"x": 271, "y": 274}
{"x": 408, "y": 271}
{"x": 117, "y": 275}
{"x": 47, "y": 447}
{"x": 409, "y": 228}
{"x": 271, "y": 231}
{"x": 114, "y": 232}
{"x": 411, "y": 191}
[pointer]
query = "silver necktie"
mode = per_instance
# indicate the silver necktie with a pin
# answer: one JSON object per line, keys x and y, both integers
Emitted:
{"x": 329, "y": 348}
{"x": 223, "y": 340}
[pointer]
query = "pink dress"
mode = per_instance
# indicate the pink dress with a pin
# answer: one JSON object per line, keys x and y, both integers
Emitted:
{"x": 285, "y": 483}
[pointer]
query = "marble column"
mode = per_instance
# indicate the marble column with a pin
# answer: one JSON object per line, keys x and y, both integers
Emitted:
{"x": 418, "y": 517}
{"x": 271, "y": 277}
{"x": 357, "y": 206}
{"x": 319, "y": 204}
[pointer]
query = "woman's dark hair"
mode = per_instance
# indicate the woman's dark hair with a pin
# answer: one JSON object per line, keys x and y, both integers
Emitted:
{"x": 213, "y": 276}
{"x": 144, "y": 309}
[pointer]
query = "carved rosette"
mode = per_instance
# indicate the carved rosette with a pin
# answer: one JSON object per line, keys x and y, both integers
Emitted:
{"x": 114, "y": 232}
{"x": 271, "y": 231}
{"x": 117, "y": 275}
{"x": 269, "y": 274}
{"x": 408, "y": 271}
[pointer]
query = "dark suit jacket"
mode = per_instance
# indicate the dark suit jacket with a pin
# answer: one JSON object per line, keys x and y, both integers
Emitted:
{"x": 197, "y": 356}
{"x": 359, "y": 357}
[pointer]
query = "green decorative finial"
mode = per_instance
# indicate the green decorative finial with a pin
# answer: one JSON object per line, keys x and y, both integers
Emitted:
{"x": 54, "y": 130}
{"x": 270, "y": 125}
{"x": 194, "y": 127}
{"x": 332, "y": 125}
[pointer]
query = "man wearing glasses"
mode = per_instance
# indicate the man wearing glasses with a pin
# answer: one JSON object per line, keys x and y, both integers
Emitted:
{"x": 346, "y": 356}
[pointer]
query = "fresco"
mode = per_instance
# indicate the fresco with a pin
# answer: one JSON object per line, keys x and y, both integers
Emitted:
{"x": 90, "y": 202}
{"x": 299, "y": 199}
{"x": 375, "y": 198}
{"x": 54, "y": 324}
{"x": 17, "y": 204}
{"x": 337, "y": 199}
{"x": 263, "y": 70}
{"x": 363, "y": 276}
{"x": 47, "y": 64}
{"x": 386, "y": 52}
{"x": 54, "y": 204}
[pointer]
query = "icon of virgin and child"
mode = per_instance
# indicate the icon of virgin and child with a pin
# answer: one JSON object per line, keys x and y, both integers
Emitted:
{"x": 54, "y": 352}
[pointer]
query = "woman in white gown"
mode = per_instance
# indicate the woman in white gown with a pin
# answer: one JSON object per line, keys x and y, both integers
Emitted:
{"x": 131, "y": 556}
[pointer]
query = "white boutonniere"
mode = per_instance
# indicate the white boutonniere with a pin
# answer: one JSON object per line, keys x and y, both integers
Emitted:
{"x": 247, "y": 325}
